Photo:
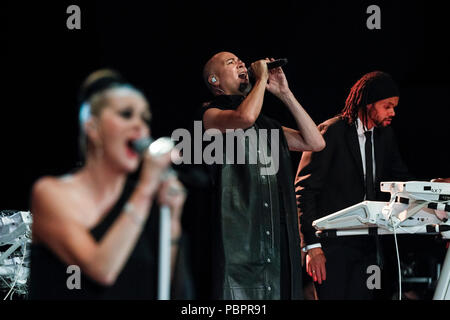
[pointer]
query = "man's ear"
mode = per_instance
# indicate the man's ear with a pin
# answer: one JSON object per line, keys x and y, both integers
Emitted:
{"x": 213, "y": 80}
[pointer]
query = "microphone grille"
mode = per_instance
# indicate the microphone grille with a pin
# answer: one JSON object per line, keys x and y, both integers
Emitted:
{"x": 141, "y": 145}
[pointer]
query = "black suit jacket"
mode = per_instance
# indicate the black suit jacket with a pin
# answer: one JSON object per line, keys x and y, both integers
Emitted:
{"x": 333, "y": 179}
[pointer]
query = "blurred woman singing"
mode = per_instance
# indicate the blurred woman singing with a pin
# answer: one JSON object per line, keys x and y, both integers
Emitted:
{"x": 97, "y": 219}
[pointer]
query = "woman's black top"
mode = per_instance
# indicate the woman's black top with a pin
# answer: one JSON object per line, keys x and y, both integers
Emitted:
{"x": 50, "y": 276}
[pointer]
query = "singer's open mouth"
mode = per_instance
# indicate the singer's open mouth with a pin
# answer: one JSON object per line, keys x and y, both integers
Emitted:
{"x": 243, "y": 75}
{"x": 130, "y": 143}
{"x": 130, "y": 147}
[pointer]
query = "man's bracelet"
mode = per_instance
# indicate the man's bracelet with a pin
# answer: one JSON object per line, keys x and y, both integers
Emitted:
{"x": 311, "y": 246}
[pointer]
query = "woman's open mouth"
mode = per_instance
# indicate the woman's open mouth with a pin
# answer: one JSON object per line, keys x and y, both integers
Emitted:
{"x": 131, "y": 152}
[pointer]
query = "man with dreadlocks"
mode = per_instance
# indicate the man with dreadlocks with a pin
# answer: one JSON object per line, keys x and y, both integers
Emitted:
{"x": 360, "y": 152}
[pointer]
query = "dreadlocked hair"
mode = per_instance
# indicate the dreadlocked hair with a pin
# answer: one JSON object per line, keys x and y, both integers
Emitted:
{"x": 357, "y": 98}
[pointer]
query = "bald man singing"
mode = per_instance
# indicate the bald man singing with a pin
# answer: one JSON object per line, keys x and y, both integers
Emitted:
{"x": 257, "y": 251}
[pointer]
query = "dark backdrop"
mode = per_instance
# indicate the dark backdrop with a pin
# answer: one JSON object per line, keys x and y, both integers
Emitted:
{"x": 161, "y": 46}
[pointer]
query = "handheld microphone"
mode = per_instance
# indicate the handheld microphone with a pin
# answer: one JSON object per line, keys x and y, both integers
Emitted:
{"x": 270, "y": 65}
{"x": 155, "y": 147}
{"x": 141, "y": 145}
{"x": 277, "y": 63}
{"x": 188, "y": 175}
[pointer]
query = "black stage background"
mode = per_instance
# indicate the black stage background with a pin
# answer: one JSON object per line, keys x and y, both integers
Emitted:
{"x": 161, "y": 46}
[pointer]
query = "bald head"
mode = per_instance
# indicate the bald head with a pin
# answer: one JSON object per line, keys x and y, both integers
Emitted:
{"x": 225, "y": 73}
{"x": 211, "y": 67}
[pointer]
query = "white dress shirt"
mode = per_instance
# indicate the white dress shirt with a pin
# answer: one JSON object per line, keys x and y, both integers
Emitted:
{"x": 362, "y": 143}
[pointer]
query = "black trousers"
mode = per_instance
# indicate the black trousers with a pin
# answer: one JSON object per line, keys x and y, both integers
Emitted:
{"x": 347, "y": 262}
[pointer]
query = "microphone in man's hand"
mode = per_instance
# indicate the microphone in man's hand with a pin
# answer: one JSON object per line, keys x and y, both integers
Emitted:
{"x": 277, "y": 63}
{"x": 270, "y": 65}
